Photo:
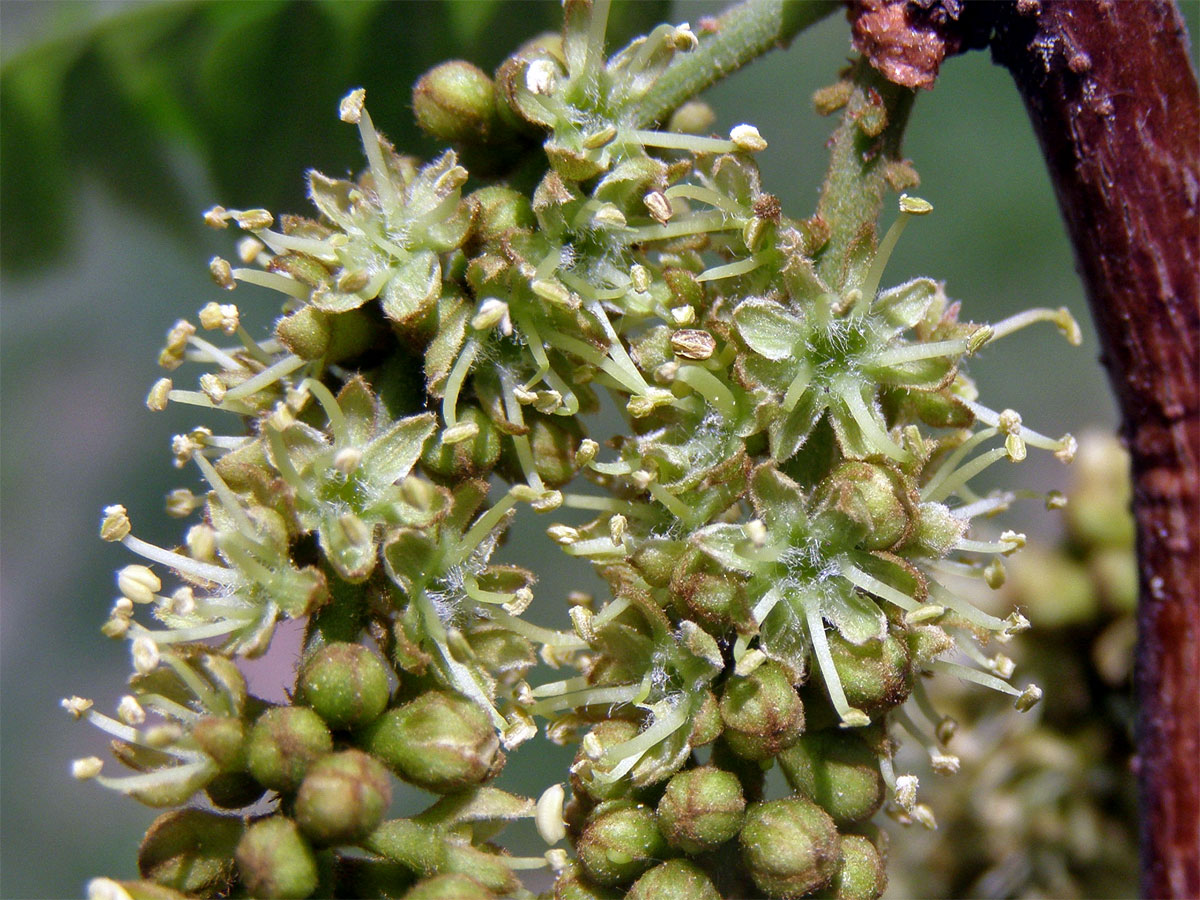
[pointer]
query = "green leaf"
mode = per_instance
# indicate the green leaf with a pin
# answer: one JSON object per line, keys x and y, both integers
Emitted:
{"x": 857, "y": 618}
{"x": 783, "y": 637}
{"x": 721, "y": 542}
{"x": 767, "y": 329}
{"x": 413, "y": 288}
{"x": 778, "y": 500}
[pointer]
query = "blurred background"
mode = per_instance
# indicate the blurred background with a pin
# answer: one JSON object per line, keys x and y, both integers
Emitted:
{"x": 120, "y": 122}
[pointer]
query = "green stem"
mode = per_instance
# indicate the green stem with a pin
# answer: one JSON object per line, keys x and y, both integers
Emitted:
{"x": 852, "y": 196}
{"x": 744, "y": 32}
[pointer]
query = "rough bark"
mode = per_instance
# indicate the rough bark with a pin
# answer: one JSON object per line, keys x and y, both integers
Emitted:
{"x": 1113, "y": 99}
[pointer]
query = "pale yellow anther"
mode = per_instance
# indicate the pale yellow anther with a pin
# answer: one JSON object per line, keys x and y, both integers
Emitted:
{"x": 1056, "y": 500}
{"x": 640, "y": 276}
{"x": 183, "y": 602}
{"x": 616, "y": 529}
{"x": 356, "y": 530}
{"x": 222, "y": 273}
{"x": 350, "y": 109}
{"x": 598, "y": 139}
{"x": 944, "y": 763}
{"x": 692, "y": 343}
{"x": 582, "y": 621}
{"x": 217, "y": 217}
{"x": 156, "y": 400}
{"x": 353, "y": 281}
{"x": 248, "y": 249}
{"x": 492, "y": 312}
{"x": 459, "y": 432}
{"x": 586, "y": 452}
{"x": 548, "y": 815}
{"x": 145, "y": 654}
{"x": 201, "y": 541}
{"x": 224, "y": 316}
{"x": 683, "y": 315}
{"x": 978, "y": 338}
{"x": 547, "y": 402}
{"x": 609, "y": 216}
{"x": 213, "y": 387}
{"x": 253, "y": 219}
{"x": 1029, "y": 698}
{"x": 1067, "y": 449}
{"x": 994, "y": 574}
{"x": 347, "y": 460}
{"x": 76, "y": 706}
{"x": 554, "y": 292}
{"x": 659, "y": 206}
{"x": 1002, "y": 665}
{"x": 86, "y": 768}
{"x": 915, "y": 206}
{"x": 1015, "y": 539}
{"x": 138, "y": 583}
{"x": 747, "y": 138}
{"x": 541, "y": 77}
{"x": 130, "y": 711}
{"x": 756, "y": 532}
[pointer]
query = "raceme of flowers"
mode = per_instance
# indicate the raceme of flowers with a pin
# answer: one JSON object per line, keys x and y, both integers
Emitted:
{"x": 781, "y": 520}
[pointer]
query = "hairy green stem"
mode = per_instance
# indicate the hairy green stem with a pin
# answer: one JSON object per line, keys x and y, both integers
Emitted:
{"x": 744, "y": 32}
{"x": 858, "y": 165}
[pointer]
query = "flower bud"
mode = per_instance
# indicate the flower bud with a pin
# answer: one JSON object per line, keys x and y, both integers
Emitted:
{"x": 450, "y": 886}
{"x": 876, "y": 675}
{"x": 861, "y": 872}
{"x": 222, "y": 738}
{"x": 789, "y": 846}
{"x": 283, "y": 743}
{"x": 700, "y": 809}
{"x": 471, "y": 458}
{"x": 440, "y": 741}
{"x": 620, "y": 844}
{"x": 189, "y": 850}
{"x": 345, "y": 684}
{"x": 305, "y": 332}
{"x": 868, "y": 498}
{"x": 762, "y": 712}
{"x": 456, "y": 102}
{"x": 837, "y": 770}
{"x": 676, "y": 879}
{"x": 342, "y": 798}
{"x": 274, "y": 860}
{"x": 500, "y": 210}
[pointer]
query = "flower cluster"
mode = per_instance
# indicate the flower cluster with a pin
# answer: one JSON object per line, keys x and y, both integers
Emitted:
{"x": 781, "y": 518}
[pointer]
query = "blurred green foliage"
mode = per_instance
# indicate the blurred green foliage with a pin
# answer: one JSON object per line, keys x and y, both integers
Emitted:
{"x": 228, "y": 80}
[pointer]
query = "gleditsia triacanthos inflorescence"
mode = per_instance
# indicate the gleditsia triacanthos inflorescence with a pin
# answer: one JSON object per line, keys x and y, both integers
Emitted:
{"x": 781, "y": 522}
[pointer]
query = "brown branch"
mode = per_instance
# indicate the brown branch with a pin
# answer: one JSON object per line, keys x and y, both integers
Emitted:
{"x": 1110, "y": 90}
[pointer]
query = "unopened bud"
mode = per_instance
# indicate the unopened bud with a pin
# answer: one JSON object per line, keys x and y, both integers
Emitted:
{"x": 837, "y": 770}
{"x": 274, "y": 860}
{"x": 619, "y": 845}
{"x": 283, "y": 744}
{"x": 701, "y": 809}
{"x": 789, "y": 846}
{"x": 456, "y": 102}
{"x": 346, "y": 684}
{"x": 342, "y": 798}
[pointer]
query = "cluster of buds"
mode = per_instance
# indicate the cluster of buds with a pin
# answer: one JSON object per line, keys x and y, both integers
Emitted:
{"x": 781, "y": 520}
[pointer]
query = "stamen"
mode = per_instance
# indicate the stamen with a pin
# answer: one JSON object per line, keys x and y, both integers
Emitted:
{"x": 880, "y": 440}
{"x": 352, "y": 110}
{"x": 877, "y": 588}
{"x": 731, "y": 270}
{"x": 1061, "y": 318}
{"x": 705, "y": 195}
{"x": 715, "y": 392}
{"x": 959, "y": 479}
{"x": 851, "y": 717}
{"x": 184, "y": 565}
{"x": 915, "y": 352}
{"x": 267, "y": 376}
{"x": 700, "y": 223}
{"x": 943, "y": 763}
{"x": 671, "y": 140}
{"x": 284, "y": 284}
{"x": 947, "y": 467}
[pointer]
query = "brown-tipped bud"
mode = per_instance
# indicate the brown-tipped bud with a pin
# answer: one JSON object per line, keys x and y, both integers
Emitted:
{"x": 189, "y": 850}
{"x": 345, "y": 684}
{"x": 700, "y": 809}
{"x": 837, "y": 770}
{"x": 283, "y": 743}
{"x": 938, "y": 529}
{"x": 790, "y": 847}
{"x": 456, "y": 102}
{"x": 342, "y": 798}
{"x": 676, "y": 879}
{"x": 762, "y": 712}
{"x": 861, "y": 874}
{"x": 876, "y": 675}
{"x": 305, "y": 332}
{"x": 440, "y": 741}
{"x": 867, "y": 497}
{"x": 223, "y": 738}
{"x": 274, "y": 860}
{"x": 706, "y": 723}
{"x": 620, "y": 844}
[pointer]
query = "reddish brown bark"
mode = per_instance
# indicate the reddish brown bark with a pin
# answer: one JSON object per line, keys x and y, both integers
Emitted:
{"x": 1110, "y": 91}
{"x": 1112, "y": 96}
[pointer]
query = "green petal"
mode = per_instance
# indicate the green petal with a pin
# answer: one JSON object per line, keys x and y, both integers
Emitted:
{"x": 392, "y": 455}
{"x": 905, "y": 305}
{"x": 413, "y": 290}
